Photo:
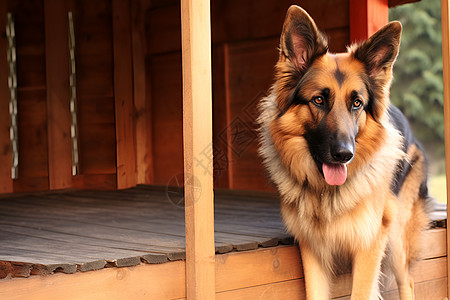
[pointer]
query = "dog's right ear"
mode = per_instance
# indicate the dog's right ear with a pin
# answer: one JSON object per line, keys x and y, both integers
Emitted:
{"x": 301, "y": 42}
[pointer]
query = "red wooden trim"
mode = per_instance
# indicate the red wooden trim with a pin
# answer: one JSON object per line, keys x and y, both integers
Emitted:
{"x": 58, "y": 94}
{"x": 366, "y": 17}
{"x": 6, "y": 184}
{"x": 123, "y": 94}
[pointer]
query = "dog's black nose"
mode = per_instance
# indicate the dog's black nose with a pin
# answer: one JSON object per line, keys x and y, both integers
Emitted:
{"x": 342, "y": 152}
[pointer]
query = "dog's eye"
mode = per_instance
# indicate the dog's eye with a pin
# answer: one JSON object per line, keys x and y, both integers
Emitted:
{"x": 357, "y": 104}
{"x": 318, "y": 100}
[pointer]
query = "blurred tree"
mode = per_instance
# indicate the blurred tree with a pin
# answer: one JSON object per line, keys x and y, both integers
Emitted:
{"x": 417, "y": 88}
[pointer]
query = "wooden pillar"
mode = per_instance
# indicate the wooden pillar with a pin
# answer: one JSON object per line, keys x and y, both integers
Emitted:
{"x": 123, "y": 95}
{"x": 446, "y": 68}
{"x": 144, "y": 158}
{"x": 197, "y": 141}
{"x": 58, "y": 94}
{"x": 6, "y": 184}
{"x": 366, "y": 17}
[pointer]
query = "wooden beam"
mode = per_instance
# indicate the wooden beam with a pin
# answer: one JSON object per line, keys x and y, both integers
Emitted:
{"x": 366, "y": 17}
{"x": 446, "y": 80}
{"x": 6, "y": 184}
{"x": 58, "y": 94}
{"x": 141, "y": 94}
{"x": 123, "y": 95}
{"x": 222, "y": 132}
{"x": 197, "y": 141}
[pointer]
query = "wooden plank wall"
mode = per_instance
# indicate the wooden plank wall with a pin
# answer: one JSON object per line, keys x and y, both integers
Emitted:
{"x": 45, "y": 149}
{"x": 58, "y": 100}
{"x": 95, "y": 93}
{"x": 245, "y": 37}
{"x": 31, "y": 94}
{"x": 129, "y": 94}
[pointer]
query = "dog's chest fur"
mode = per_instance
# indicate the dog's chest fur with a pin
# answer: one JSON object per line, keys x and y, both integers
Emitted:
{"x": 333, "y": 216}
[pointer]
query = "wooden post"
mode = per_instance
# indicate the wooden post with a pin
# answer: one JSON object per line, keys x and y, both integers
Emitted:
{"x": 123, "y": 95}
{"x": 6, "y": 183}
{"x": 197, "y": 138}
{"x": 144, "y": 158}
{"x": 446, "y": 68}
{"x": 58, "y": 94}
{"x": 366, "y": 17}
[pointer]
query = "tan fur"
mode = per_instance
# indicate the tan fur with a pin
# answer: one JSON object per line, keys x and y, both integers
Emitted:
{"x": 359, "y": 220}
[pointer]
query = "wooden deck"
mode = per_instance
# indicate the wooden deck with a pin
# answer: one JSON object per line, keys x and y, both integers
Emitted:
{"x": 142, "y": 229}
{"x": 83, "y": 231}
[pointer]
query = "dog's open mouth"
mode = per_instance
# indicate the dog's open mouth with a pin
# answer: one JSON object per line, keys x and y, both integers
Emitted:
{"x": 335, "y": 174}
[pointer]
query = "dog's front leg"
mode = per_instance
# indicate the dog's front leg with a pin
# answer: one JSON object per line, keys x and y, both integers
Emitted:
{"x": 316, "y": 279}
{"x": 366, "y": 269}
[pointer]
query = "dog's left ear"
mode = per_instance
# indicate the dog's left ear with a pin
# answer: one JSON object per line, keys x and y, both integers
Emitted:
{"x": 378, "y": 54}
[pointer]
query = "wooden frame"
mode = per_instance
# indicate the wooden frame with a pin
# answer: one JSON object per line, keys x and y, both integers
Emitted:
{"x": 446, "y": 80}
{"x": 197, "y": 142}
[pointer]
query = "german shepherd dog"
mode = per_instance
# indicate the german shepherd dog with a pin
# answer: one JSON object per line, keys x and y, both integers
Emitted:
{"x": 351, "y": 176}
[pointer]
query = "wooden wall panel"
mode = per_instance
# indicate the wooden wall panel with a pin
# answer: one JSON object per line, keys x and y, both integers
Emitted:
{"x": 95, "y": 87}
{"x": 123, "y": 95}
{"x": 141, "y": 87}
{"x": 237, "y": 20}
{"x": 164, "y": 29}
{"x": 6, "y": 184}
{"x": 31, "y": 94}
{"x": 250, "y": 75}
{"x": 33, "y": 160}
{"x": 58, "y": 95}
{"x": 167, "y": 139}
{"x": 221, "y": 111}
{"x": 245, "y": 36}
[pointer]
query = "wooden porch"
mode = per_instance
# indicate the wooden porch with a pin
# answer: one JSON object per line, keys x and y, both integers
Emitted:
{"x": 113, "y": 226}
{"x": 130, "y": 244}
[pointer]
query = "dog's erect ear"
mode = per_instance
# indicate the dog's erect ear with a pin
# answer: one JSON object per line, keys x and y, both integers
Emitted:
{"x": 301, "y": 41}
{"x": 379, "y": 52}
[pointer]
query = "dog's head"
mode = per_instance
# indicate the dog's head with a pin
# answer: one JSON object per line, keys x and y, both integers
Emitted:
{"x": 331, "y": 106}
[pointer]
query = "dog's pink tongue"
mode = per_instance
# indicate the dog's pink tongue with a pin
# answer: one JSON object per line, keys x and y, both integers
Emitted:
{"x": 334, "y": 174}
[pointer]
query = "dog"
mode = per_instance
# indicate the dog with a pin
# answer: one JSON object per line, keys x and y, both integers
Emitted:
{"x": 351, "y": 176}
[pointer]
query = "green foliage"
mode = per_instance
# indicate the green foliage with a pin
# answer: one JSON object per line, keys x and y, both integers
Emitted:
{"x": 417, "y": 88}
